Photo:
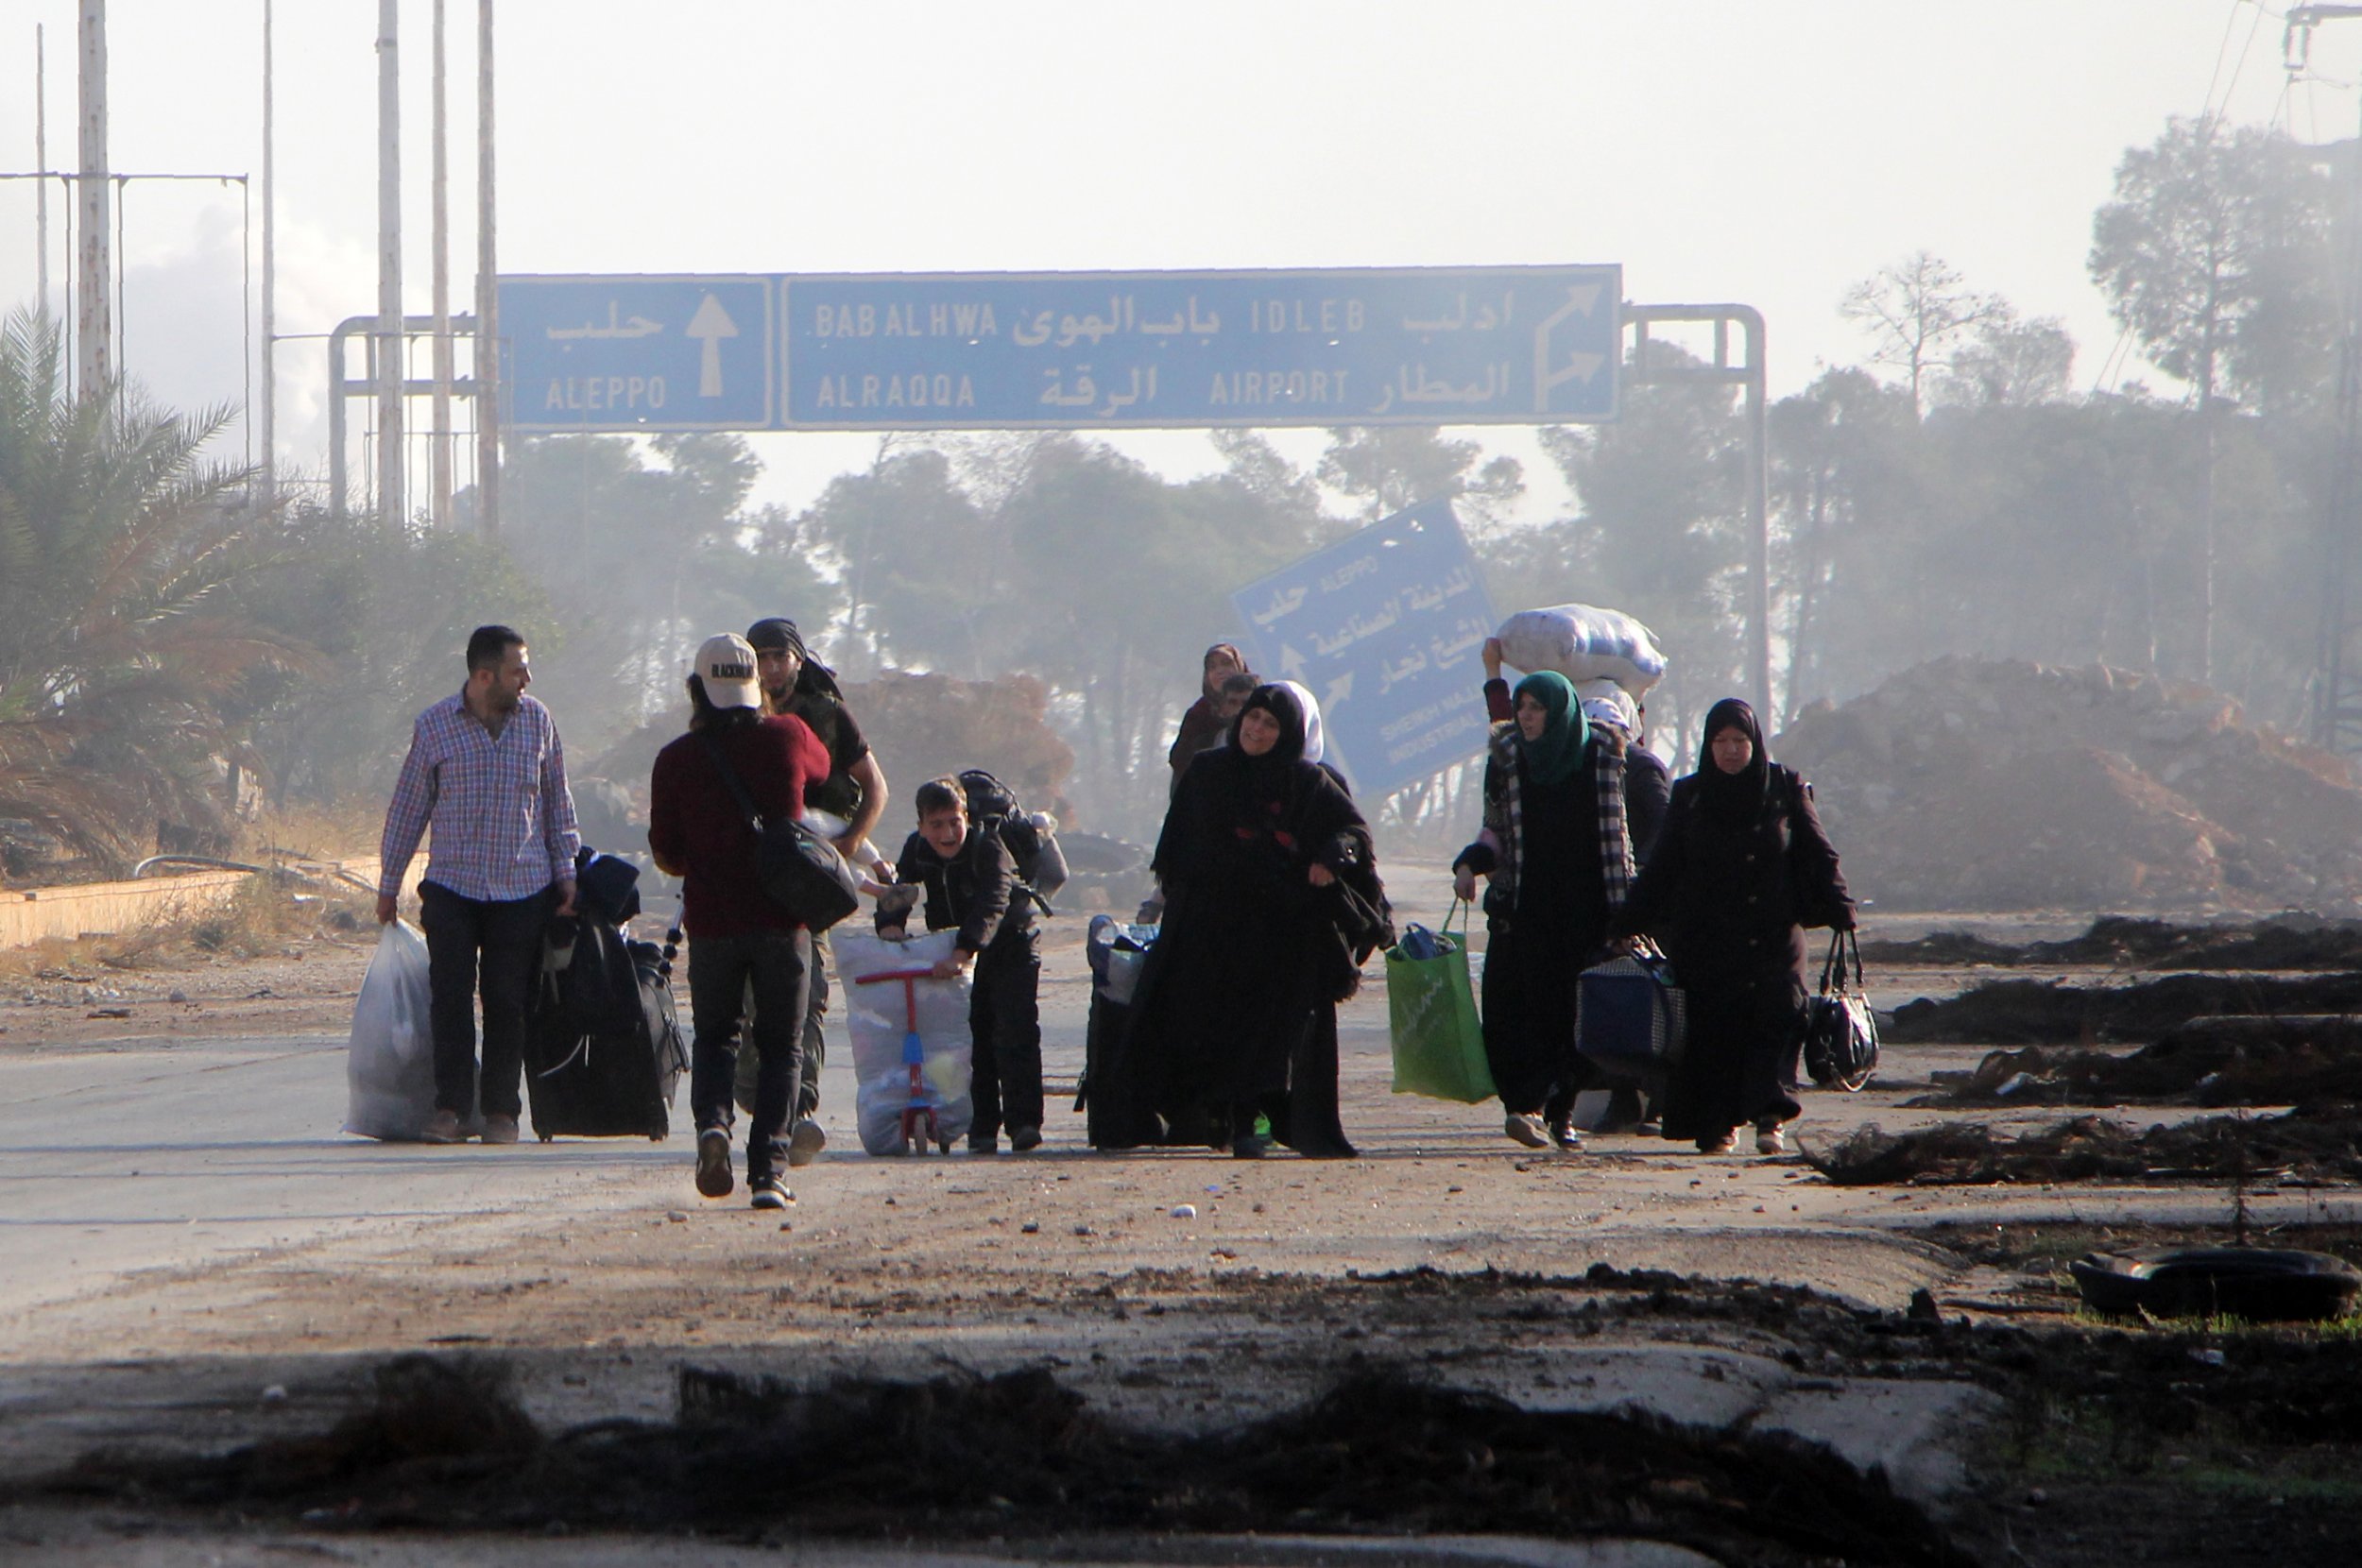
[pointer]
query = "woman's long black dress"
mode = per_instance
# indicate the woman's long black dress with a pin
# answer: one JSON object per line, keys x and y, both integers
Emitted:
{"x": 1251, "y": 958}
{"x": 1729, "y": 895}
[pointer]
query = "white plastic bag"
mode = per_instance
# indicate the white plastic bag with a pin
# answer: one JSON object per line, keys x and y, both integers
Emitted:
{"x": 877, "y": 1017}
{"x": 1584, "y": 644}
{"x": 389, "y": 1067}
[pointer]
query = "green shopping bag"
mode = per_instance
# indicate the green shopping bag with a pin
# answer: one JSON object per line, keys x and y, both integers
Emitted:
{"x": 1439, "y": 1047}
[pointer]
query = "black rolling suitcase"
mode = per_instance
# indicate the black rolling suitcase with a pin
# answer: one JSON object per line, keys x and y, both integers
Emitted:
{"x": 1116, "y": 952}
{"x": 605, "y": 1053}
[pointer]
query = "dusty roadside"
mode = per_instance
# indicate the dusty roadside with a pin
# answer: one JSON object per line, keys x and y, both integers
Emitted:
{"x": 1180, "y": 1293}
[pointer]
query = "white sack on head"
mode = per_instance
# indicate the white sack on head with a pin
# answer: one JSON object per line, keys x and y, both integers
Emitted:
{"x": 1584, "y": 644}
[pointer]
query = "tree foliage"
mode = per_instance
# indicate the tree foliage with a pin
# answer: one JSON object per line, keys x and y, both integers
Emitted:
{"x": 2214, "y": 252}
{"x": 119, "y": 545}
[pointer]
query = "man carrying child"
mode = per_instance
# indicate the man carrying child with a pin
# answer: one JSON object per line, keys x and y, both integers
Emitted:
{"x": 971, "y": 882}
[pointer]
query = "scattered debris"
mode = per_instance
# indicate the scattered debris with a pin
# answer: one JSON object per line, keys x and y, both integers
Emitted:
{"x": 2317, "y": 1146}
{"x": 2245, "y": 1060}
{"x": 1020, "y": 1454}
{"x": 2124, "y": 942}
{"x": 2033, "y": 1012}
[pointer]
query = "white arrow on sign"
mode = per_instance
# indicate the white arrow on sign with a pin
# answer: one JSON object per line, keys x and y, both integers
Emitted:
{"x": 1290, "y": 662}
{"x": 1580, "y": 367}
{"x": 1339, "y": 690}
{"x": 710, "y": 326}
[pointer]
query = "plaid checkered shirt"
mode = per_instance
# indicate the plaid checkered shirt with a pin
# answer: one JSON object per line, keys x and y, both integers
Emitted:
{"x": 503, "y": 819}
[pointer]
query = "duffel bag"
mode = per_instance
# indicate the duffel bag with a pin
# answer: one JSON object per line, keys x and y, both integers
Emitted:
{"x": 1631, "y": 1019}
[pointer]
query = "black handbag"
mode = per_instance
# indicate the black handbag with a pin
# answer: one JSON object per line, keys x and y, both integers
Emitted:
{"x": 1841, "y": 1031}
{"x": 800, "y": 870}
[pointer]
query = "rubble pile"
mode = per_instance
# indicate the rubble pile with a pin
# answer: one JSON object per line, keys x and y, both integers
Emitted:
{"x": 1978, "y": 784}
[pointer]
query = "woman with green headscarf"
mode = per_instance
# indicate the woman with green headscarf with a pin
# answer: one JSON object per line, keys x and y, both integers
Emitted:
{"x": 1558, "y": 853}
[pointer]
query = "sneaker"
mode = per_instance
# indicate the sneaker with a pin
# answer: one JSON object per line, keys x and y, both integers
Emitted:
{"x": 443, "y": 1127}
{"x": 1526, "y": 1128}
{"x": 805, "y": 1144}
{"x": 771, "y": 1193}
{"x": 1726, "y": 1144}
{"x": 713, "y": 1163}
{"x": 500, "y": 1129}
{"x": 1565, "y": 1137}
{"x": 1024, "y": 1140}
{"x": 1770, "y": 1140}
{"x": 984, "y": 1143}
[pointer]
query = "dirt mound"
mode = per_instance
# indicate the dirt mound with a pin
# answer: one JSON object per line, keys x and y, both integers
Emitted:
{"x": 2310, "y": 1146}
{"x": 1978, "y": 784}
{"x": 1019, "y": 1455}
{"x": 2125, "y": 942}
{"x": 2215, "y": 1062}
{"x": 2030, "y": 1013}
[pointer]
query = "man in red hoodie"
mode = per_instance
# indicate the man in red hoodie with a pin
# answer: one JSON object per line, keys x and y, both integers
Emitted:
{"x": 737, "y": 935}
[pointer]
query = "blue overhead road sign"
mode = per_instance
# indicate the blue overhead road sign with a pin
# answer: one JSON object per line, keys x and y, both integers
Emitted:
{"x": 1387, "y": 628}
{"x": 1359, "y": 345}
{"x": 638, "y": 353}
{"x": 1064, "y": 351}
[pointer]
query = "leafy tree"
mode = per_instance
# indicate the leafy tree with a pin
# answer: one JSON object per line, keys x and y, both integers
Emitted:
{"x": 2212, "y": 253}
{"x": 1385, "y": 468}
{"x": 1660, "y": 534}
{"x": 638, "y": 562}
{"x": 119, "y": 543}
{"x": 387, "y": 614}
{"x": 1916, "y": 311}
{"x": 2009, "y": 360}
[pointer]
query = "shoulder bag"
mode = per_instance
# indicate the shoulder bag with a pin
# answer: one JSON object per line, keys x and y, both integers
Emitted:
{"x": 1841, "y": 1031}
{"x": 800, "y": 870}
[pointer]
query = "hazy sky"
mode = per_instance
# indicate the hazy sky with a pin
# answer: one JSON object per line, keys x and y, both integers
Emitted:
{"x": 1764, "y": 151}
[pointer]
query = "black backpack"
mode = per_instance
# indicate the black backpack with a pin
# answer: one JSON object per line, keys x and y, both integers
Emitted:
{"x": 1041, "y": 863}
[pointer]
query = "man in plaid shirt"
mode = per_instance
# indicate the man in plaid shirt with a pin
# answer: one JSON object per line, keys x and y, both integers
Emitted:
{"x": 485, "y": 768}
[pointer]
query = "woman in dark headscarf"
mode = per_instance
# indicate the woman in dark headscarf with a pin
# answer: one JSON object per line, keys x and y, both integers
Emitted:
{"x": 1201, "y": 725}
{"x": 1739, "y": 869}
{"x": 1271, "y": 904}
{"x": 1559, "y": 853}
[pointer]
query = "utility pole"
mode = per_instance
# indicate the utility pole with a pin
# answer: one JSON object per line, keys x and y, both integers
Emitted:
{"x": 2337, "y": 695}
{"x": 391, "y": 506}
{"x": 440, "y": 457}
{"x": 94, "y": 318}
{"x": 40, "y": 166}
{"x": 270, "y": 285}
{"x": 1748, "y": 374}
{"x": 487, "y": 342}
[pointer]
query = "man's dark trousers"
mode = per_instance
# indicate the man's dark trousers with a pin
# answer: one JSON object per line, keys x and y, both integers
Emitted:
{"x": 1004, "y": 1021}
{"x": 723, "y": 970}
{"x": 500, "y": 944}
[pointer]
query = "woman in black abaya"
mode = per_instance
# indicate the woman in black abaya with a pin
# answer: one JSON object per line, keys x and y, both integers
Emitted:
{"x": 1740, "y": 867}
{"x": 1272, "y": 900}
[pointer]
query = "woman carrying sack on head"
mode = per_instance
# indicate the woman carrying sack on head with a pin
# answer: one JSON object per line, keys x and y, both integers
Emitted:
{"x": 1559, "y": 853}
{"x": 1740, "y": 868}
{"x": 1272, "y": 902}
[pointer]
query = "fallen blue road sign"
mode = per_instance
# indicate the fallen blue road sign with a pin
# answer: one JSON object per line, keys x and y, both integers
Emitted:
{"x": 638, "y": 353}
{"x": 1386, "y": 629}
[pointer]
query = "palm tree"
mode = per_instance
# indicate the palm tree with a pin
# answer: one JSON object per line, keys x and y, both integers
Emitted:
{"x": 117, "y": 542}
